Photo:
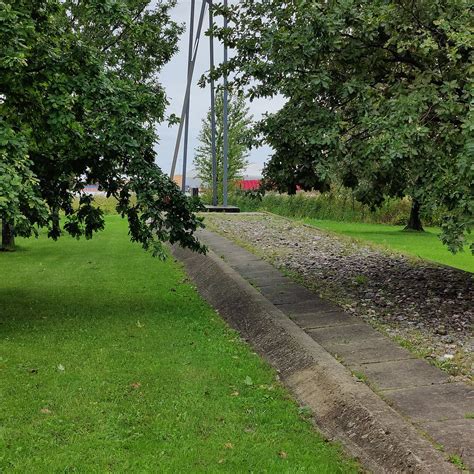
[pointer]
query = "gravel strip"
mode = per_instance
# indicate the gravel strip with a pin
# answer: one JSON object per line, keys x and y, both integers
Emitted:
{"x": 428, "y": 308}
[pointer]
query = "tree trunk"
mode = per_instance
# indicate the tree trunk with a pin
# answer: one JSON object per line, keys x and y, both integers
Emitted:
{"x": 8, "y": 236}
{"x": 55, "y": 227}
{"x": 414, "y": 221}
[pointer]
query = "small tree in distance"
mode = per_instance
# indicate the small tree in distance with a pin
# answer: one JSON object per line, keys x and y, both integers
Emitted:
{"x": 239, "y": 126}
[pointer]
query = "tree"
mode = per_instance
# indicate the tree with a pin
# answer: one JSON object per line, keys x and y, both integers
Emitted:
{"x": 293, "y": 164}
{"x": 80, "y": 98}
{"x": 384, "y": 91}
{"x": 239, "y": 130}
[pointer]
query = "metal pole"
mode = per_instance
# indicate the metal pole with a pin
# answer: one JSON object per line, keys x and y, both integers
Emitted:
{"x": 225, "y": 120}
{"x": 213, "y": 109}
{"x": 186, "y": 124}
{"x": 188, "y": 90}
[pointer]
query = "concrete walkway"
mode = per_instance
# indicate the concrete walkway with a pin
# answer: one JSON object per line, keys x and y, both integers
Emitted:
{"x": 418, "y": 391}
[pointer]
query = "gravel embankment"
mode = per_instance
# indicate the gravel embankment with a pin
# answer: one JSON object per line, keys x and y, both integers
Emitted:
{"x": 429, "y": 308}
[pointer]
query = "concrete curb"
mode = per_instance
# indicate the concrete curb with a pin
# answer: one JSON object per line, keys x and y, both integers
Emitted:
{"x": 342, "y": 407}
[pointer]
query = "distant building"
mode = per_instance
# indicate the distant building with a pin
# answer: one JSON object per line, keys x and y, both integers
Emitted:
{"x": 91, "y": 188}
{"x": 248, "y": 184}
{"x": 178, "y": 179}
{"x": 191, "y": 182}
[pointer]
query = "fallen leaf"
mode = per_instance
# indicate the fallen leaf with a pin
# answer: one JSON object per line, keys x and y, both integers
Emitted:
{"x": 228, "y": 446}
{"x": 282, "y": 454}
{"x": 221, "y": 461}
{"x": 136, "y": 385}
{"x": 46, "y": 411}
{"x": 61, "y": 368}
{"x": 235, "y": 394}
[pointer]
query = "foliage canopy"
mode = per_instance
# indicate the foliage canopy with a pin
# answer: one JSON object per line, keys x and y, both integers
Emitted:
{"x": 80, "y": 99}
{"x": 379, "y": 94}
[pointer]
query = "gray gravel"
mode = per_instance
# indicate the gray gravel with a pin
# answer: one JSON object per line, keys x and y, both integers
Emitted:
{"x": 427, "y": 307}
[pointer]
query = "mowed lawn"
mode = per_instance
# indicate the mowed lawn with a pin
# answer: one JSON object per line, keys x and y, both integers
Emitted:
{"x": 110, "y": 361}
{"x": 424, "y": 245}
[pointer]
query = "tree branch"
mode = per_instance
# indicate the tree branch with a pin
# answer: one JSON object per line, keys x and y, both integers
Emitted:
{"x": 125, "y": 30}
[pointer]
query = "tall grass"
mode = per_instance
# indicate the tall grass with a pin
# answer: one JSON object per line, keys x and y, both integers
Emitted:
{"x": 334, "y": 205}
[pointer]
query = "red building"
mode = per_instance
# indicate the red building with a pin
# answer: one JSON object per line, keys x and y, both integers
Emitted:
{"x": 248, "y": 184}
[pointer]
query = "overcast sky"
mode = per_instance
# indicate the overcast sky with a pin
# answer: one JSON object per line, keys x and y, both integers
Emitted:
{"x": 173, "y": 78}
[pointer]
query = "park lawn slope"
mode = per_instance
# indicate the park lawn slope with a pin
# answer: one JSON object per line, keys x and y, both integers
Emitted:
{"x": 425, "y": 245}
{"x": 110, "y": 361}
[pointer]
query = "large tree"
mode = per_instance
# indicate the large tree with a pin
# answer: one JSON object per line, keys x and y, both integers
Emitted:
{"x": 379, "y": 92}
{"x": 293, "y": 165}
{"x": 79, "y": 101}
{"x": 239, "y": 131}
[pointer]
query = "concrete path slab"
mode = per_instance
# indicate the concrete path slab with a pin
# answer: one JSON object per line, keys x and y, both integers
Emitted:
{"x": 417, "y": 391}
{"x": 374, "y": 349}
{"x": 314, "y": 304}
{"x": 455, "y": 436}
{"x": 451, "y": 401}
{"x": 261, "y": 269}
{"x": 394, "y": 374}
{"x": 288, "y": 293}
{"x": 263, "y": 280}
{"x": 322, "y": 319}
{"x": 235, "y": 259}
{"x": 254, "y": 266}
{"x": 360, "y": 333}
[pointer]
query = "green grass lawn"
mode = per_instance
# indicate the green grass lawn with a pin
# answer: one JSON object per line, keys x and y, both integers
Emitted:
{"x": 424, "y": 245}
{"x": 110, "y": 361}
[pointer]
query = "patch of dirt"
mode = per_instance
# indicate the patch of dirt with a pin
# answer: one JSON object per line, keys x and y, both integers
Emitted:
{"x": 428, "y": 308}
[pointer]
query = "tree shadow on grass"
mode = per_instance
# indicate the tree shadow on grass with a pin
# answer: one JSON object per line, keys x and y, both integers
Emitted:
{"x": 66, "y": 308}
{"x": 395, "y": 233}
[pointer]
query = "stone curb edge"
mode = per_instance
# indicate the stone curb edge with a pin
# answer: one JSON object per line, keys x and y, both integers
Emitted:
{"x": 343, "y": 408}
